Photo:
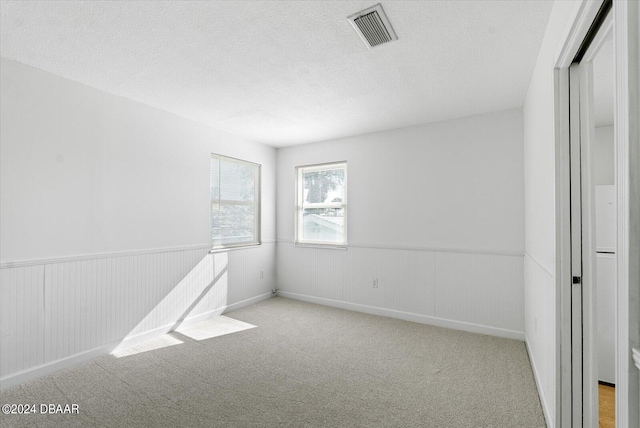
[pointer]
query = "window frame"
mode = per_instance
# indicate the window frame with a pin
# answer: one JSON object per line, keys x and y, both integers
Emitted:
{"x": 300, "y": 205}
{"x": 256, "y": 203}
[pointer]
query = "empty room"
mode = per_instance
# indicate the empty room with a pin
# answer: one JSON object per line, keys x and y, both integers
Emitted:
{"x": 320, "y": 213}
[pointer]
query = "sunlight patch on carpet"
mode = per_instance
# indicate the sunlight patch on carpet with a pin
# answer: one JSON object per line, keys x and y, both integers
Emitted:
{"x": 148, "y": 345}
{"x": 214, "y": 327}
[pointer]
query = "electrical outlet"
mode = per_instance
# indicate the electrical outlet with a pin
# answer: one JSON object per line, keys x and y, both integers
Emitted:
{"x": 375, "y": 282}
{"x": 261, "y": 274}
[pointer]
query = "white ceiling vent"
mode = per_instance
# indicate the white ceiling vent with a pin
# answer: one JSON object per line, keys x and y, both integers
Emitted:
{"x": 373, "y": 26}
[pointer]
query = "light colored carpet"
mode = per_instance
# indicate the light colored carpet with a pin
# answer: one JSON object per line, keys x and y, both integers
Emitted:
{"x": 304, "y": 365}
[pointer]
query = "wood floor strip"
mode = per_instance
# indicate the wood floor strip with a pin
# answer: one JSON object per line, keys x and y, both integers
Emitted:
{"x": 607, "y": 405}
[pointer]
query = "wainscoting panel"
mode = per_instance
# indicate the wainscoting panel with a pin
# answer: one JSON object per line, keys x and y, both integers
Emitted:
{"x": 245, "y": 266}
{"x": 405, "y": 279}
{"x": 474, "y": 292}
{"x": 56, "y": 313}
{"x": 21, "y": 318}
{"x": 540, "y": 316}
{"x": 312, "y": 271}
{"x": 481, "y": 289}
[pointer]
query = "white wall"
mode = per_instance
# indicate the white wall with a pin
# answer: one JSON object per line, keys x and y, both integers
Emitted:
{"x": 447, "y": 185}
{"x": 100, "y": 196}
{"x": 435, "y": 212}
{"x": 86, "y": 172}
{"x": 540, "y": 213}
{"x": 604, "y": 159}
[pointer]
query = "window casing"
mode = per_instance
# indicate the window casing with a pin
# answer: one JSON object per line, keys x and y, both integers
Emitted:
{"x": 235, "y": 202}
{"x": 321, "y": 204}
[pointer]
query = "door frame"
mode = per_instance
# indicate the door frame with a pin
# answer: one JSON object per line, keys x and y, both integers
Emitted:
{"x": 582, "y": 139}
{"x": 577, "y": 189}
{"x": 626, "y": 18}
{"x": 627, "y": 140}
{"x": 579, "y": 25}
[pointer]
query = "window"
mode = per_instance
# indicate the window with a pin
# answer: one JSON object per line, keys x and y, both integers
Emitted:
{"x": 235, "y": 202}
{"x": 321, "y": 208}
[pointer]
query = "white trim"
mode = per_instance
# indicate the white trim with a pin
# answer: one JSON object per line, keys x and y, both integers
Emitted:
{"x": 577, "y": 250}
{"x": 300, "y": 205}
{"x": 540, "y": 265}
{"x": 579, "y": 23}
{"x": 326, "y": 166}
{"x": 97, "y": 256}
{"x": 621, "y": 126}
{"x": 21, "y": 377}
{"x": 235, "y": 247}
{"x": 246, "y": 302}
{"x": 468, "y": 250}
{"x": 330, "y": 205}
{"x": 408, "y": 316}
{"x": 582, "y": 16}
{"x": 589, "y": 327}
{"x": 320, "y": 246}
{"x": 599, "y": 39}
{"x": 563, "y": 249}
{"x": 256, "y": 203}
{"x": 507, "y": 253}
{"x": 627, "y": 142}
{"x": 79, "y": 258}
{"x": 626, "y": 20}
{"x": 636, "y": 357}
{"x": 33, "y": 373}
{"x": 546, "y": 411}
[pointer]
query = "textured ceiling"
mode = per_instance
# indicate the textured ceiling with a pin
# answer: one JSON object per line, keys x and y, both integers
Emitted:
{"x": 287, "y": 72}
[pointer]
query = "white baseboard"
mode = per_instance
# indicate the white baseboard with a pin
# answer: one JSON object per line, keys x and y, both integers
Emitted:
{"x": 543, "y": 399}
{"x": 408, "y": 316}
{"x": 21, "y": 377}
{"x": 247, "y": 302}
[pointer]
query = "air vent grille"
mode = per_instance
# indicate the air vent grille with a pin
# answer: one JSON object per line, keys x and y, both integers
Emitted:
{"x": 373, "y": 26}
{"x": 373, "y": 29}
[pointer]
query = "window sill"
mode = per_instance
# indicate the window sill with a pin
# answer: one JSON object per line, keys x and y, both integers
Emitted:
{"x": 234, "y": 247}
{"x": 321, "y": 246}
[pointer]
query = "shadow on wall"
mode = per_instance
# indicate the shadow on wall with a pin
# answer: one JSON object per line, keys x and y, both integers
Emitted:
{"x": 208, "y": 281}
